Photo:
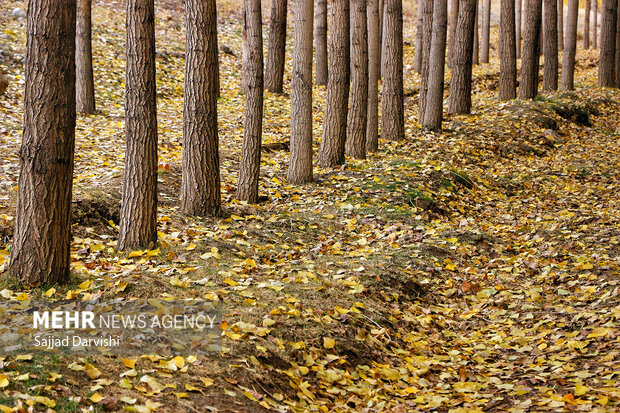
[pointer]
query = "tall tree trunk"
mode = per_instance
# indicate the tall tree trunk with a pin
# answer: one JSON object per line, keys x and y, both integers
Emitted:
{"x": 381, "y": 30}
{"x": 356, "y": 133}
{"x": 595, "y": 24}
{"x": 617, "y": 65}
{"x": 460, "y": 83}
{"x": 486, "y": 31}
{"x": 433, "y": 115}
{"x": 331, "y": 152}
{"x": 274, "y": 69}
{"x": 550, "y": 75}
{"x": 249, "y": 166}
{"x": 84, "y": 83}
{"x": 606, "y": 66}
{"x": 586, "y": 26}
{"x": 245, "y": 53}
{"x": 507, "y": 51}
{"x": 476, "y": 51}
{"x": 138, "y": 226}
{"x": 300, "y": 163}
{"x": 320, "y": 37}
{"x": 374, "y": 51}
{"x": 454, "y": 15}
{"x": 568, "y": 63}
{"x": 417, "y": 63}
{"x": 217, "y": 61}
{"x": 561, "y": 24}
{"x": 427, "y": 34}
{"x": 519, "y": 25}
{"x": 200, "y": 183}
{"x": 42, "y": 238}
{"x": 528, "y": 87}
{"x": 392, "y": 113}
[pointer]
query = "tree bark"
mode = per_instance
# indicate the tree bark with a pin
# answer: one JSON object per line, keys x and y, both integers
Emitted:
{"x": 138, "y": 226}
{"x": 460, "y": 83}
{"x": 300, "y": 163}
{"x": 586, "y": 26}
{"x": 528, "y": 87}
{"x": 617, "y": 64}
{"x": 427, "y": 34}
{"x": 331, "y": 152}
{"x": 42, "y": 239}
{"x": 561, "y": 24}
{"x": 606, "y": 66}
{"x": 433, "y": 115}
{"x": 518, "y": 25}
{"x": 358, "y": 116}
{"x": 507, "y": 51}
{"x": 476, "y": 51}
{"x": 486, "y": 31}
{"x": 200, "y": 183}
{"x": 381, "y": 30}
{"x": 249, "y": 166}
{"x": 454, "y": 15}
{"x": 595, "y": 24}
{"x": 550, "y": 75}
{"x": 245, "y": 53}
{"x": 392, "y": 113}
{"x": 321, "y": 42}
{"x": 570, "y": 46}
{"x": 374, "y": 51}
{"x": 274, "y": 69}
{"x": 84, "y": 85}
{"x": 417, "y": 63}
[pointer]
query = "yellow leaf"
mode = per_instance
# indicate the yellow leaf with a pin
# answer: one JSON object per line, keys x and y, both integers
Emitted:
{"x": 96, "y": 398}
{"x": 45, "y": 401}
{"x": 153, "y": 253}
{"x": 206, "y": 381}
{"x": 328, "y": 342}
{"x": 24, "y": 357}
{"x": 6, "y": 409}
{"x": 129, "y": 363}
{"x": 128, "y": 400}
{"x": 136, "y": 253}
{"x": 4, "y": 381}
{"x": 125, "y": 384}
{"x": 181, "y": 395}
{"x": 54, "y": 376}
{"x": 189, "y": 387}
{"x": 92, "y": 371}
{"x": 580, "y": 390}
{"x": 85, "y": 285}
{"x": 22, "y": 297}
{"x": 179, "y": 361}
{"x": 50, "y": 292}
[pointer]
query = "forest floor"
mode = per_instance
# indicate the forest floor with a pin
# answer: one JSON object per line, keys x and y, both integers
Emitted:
{"x": 475, "y": 269}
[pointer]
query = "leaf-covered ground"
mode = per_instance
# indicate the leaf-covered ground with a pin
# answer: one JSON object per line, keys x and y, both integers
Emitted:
{"x": 475, "y": 269}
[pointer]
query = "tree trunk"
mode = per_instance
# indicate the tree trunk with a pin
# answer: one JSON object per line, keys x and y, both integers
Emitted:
{"x": 200, "y": 183}
{"x": 217, "y": 61}
{"x": 427, "y": 34}
{"x": 454, "y": 15}
{"x": 245, "y": 53}
{"x": 550, "y": 75}
{"x": 476, "y": 51}
{"x": 528, "y": 87}
{"x": 595, "y": 24}
{"x": 433, "y": 115}
{"x": 568, "y": 63}
{"x": 138, "y": 226}
{"x": 356, "y": 132}
{"x": 617, "y": 65}
{"x": 381, "y": 30}
{"x": 374, "y": 51}
{"x": 606, "y": 66}
{"x": 460, "y": 83}
{"x": 392, "y": 113}
{"x": 300, "y": 164}
{"x": 486, "y": 31}
{"x": 586, "y": 26}
{"x": 274, "y": 69}
{"x": 507, "y": 51}
{"x": 249, "y": 166}
{"x": 417, "y": 63}
{"x": 518, "y": 25}
{"x": 561, "y": 24}
{"x": 331, "y": 152}
{"x": 42, "y": 239}
{"x": 84, "y": 83}
{"x": 321, "y": 42}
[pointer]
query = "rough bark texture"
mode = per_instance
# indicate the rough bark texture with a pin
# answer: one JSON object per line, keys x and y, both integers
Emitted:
{"x": 84, "y": 82}
{"x": 249, "y": 165}
{"x": 245, "y": 53}
{"x": 606, "y": 66}
{"x": 561, "y": 24}
{"x": 392, "y": 113}
{"x": 433, "y": 115}
{"x": 300, "y": 164}
{"x": 381, "y": 30}
{"x": 586, "y": 25}
{"x": 42, "y": 238}
{"x": 518, "y": 25}
{"x": 486, "y": 31}
{"x": 374, "y": 51}
{"x": 528, "y": 87}
{"x": 331, "y": 152}
{"x": 595, "y": 24}
{"x": 358, "y": 110}
{"x": 200, "y": 187}
{"x": 617, "y": 65}
{"x": 476, "y": 51}
{"x": 507, "y": 88}
{"x": 417, "y": 63}
{"x": 570, "y": 46}
{"x": 460, "y": 83}
{"x": 138, "y": 226}
{"x": 321, "y": 42}
{"x": 427, "y": 34}
{"x": 274, "y": 68}
{"x": 454, "y": 15}
{"x": 550, "y": 75}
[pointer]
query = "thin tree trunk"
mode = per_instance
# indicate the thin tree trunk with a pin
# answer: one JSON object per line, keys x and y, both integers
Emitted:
{"x": 42, "y": 239}
{"x": 606, "y": 66}
{"x": 586, "y": 26}
{"x": 274, "y": 68}
{"x": 486, "y": 31}
{"x": 300, "y": 164}
{"x": 518, "y": 25}
{"x": 381, "y": 30}
{"x": 320, "y": 38}
{"x": 217, "y": 62}
{"x": 454, "y": 15}
{"x": 374, "y": 51}
{"x": 528, "y": 87}
{"x": 392, "y": 114}
{"x": 433, "y": 115}
{"x": 561, "y": 24}
{"x": 568, "y": 63}
{"x": 595, "y": 25}
{"x": 417, "y": 63}
{"x": 550, "y": 75}
{"x": 476, "y": 51}
{"x": 358, "y": 116}
{"x": 617, "y": 65}
{"x": 249, "y": 166}
{"x": 84, "y": 85}
{"x": 245, "y": 53}
{"x": 200, "y": 183}
{"x": 507, "y": 51}
{"x": 331, "y": 151}
{"x": 427, "y": 34}
{"x": 460, "y": 83}
{"x": 138, "y": 226}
